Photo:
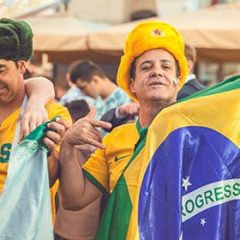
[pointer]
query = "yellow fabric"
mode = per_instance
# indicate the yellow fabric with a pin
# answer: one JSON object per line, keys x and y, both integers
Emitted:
{"x": 146, "y": 36}
{"x": 196, "y": 112}
{"x": 106, "y": 165}
{"x": 7, "y": 131}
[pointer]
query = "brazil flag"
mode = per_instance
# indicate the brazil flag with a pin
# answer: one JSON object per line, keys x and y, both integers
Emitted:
{"x": 183, "y": 180}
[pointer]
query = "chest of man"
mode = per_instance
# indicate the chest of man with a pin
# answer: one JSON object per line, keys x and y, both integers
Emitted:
{"x": 7, "y": 131}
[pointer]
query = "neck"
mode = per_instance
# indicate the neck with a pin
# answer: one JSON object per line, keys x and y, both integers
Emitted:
{"x": 147, "y": 112}
{"x": 16, "y": 102}
{"x": 108, "y": 87}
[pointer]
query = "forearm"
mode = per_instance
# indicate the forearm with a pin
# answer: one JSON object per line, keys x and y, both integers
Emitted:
{"x": 71, "y": 177}
{"x": 39, "y": 90}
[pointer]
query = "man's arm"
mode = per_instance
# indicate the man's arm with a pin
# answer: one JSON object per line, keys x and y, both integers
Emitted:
{"x": 52, "y": 138}
{"x": 78, "y": 192}
{"x": 40, "y": 91}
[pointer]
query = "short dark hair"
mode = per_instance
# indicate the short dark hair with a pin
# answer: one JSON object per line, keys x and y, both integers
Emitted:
{"x": 77, "y": 109}
{"x": 85, "y": 70}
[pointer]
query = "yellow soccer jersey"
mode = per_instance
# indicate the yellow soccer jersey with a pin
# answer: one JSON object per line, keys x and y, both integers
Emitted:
{"x": 105, "y": 166}
{"x": 7, "y": 131}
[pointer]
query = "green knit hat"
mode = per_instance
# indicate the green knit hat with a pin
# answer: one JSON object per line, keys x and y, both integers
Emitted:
{"x": 15, "y": 40}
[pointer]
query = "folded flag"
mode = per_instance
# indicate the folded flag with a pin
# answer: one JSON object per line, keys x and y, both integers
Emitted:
{"x": 183, "y": 181}
{"x": 25, "y": 210}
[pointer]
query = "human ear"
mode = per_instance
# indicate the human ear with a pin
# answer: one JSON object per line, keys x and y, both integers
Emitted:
{"x": 22, "y": 65}
{"x": 131, "y": 85}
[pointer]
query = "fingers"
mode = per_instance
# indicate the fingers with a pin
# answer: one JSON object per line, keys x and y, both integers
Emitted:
{"x": 94, "y": 143}
{"x": 133, "y": 109}
{"x": 29, "y": 123}
{"x": 92, "y": 113}
{"x": 98, "y": 123}
{"x": 85, "y": 131}
{"x": 129, "y": 109}
{"x": 59, "y": 124}
{"x": 32, "y": 119}
{"x": 55, "y": 133}
{"x": 50, "y": 144}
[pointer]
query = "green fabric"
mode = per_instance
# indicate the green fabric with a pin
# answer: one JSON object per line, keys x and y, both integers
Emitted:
{"x": 115, "y": 220}
{"x": 15, "y": 40}
{"x": 94, "y": 181}
{"x": 116, "y": 217}
{"x": 38, "y": 133}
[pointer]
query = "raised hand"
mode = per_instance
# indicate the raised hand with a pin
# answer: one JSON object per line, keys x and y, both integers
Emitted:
{"x": 128, "y": 109}
{"x": 85, "y": 131}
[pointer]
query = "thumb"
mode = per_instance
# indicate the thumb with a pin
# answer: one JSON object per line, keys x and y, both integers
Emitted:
{"x": 92, "y": 113}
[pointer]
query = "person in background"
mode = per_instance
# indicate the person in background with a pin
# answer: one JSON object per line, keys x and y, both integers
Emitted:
{"x": 74, "y": 93}
{"x": 93, "y": 82}
{"x": 192, "y": 84}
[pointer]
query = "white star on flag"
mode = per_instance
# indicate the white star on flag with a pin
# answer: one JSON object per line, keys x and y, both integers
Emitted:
{"x": 186, "y": 183}
{"x": 203, "y": 221}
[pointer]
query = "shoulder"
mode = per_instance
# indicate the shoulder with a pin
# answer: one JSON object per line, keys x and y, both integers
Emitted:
{"x": 196, "y": 84}
{"x": 190, "y": 87}
{"x": 56, "y": 109}
{"x": 124, "y": 131}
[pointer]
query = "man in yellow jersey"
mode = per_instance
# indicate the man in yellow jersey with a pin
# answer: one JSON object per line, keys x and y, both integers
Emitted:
{"x": 15, "y": 51}
{"x": 152, "y": 71}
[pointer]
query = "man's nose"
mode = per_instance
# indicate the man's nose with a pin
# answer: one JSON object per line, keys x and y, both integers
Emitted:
{"x": 156, "y": 73}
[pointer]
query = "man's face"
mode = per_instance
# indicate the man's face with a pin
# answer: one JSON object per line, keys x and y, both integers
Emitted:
{"x": 88, "y": 88}
{"x": 11, "y": 79}
{"x": 155, "y": 70}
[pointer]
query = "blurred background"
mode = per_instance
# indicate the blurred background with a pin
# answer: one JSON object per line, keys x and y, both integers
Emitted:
{"x": 68, "y": 30}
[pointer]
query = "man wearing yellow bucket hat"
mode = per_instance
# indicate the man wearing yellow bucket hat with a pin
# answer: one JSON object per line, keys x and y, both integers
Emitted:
{"x": 152, "y": 71}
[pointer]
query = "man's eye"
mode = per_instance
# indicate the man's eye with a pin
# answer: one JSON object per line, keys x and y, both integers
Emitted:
{"x": 166, "y": 67}
{"x": 2, "y": 69}
{"x": 145, "y": 68}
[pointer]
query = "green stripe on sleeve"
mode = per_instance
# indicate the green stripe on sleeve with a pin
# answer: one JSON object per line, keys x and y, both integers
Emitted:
{"x": 94, "y": 181}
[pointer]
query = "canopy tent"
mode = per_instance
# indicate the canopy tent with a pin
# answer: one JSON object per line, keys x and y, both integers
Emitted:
{"x": 63, "y": 38}
{"x": 215, "y": 32}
